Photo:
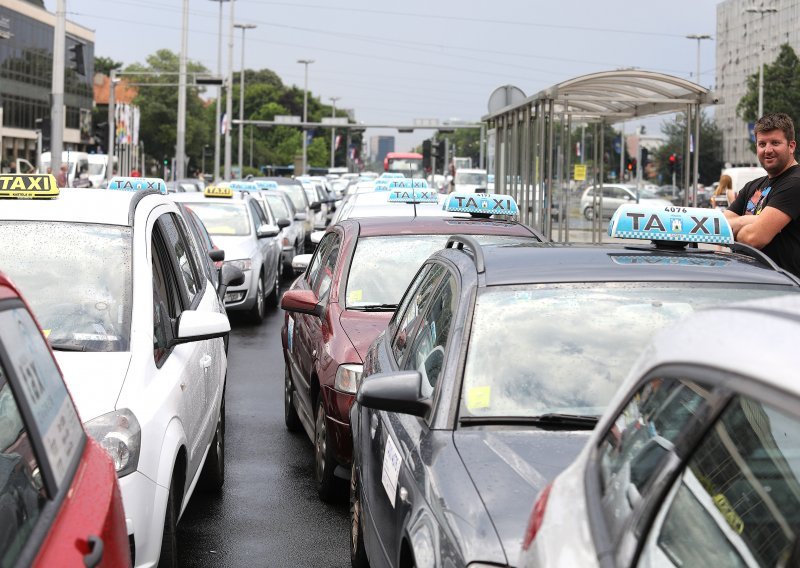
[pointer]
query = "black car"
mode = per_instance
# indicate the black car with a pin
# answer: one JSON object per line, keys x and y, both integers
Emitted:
{"x": 497, "y": 364}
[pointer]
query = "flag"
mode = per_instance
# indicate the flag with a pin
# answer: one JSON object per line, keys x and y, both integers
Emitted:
{"x": 223, "y": 124}
{"x": 578, "y": 149}
{"x": 338, "y": 140}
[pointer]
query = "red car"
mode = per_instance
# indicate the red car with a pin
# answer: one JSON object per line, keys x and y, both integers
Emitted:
{"x": 60, "y": 504}
{"x": 340, "y": 304}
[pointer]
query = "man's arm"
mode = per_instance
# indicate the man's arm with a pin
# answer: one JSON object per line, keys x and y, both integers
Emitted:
{"x": 759, "y": 230}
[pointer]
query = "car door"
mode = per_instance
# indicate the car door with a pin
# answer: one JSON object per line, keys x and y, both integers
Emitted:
{"x": 274, "y": 242}
{"x": 264, "y": 245}
{"x": 184, "y": 367}
{"x": 396, "y": 464}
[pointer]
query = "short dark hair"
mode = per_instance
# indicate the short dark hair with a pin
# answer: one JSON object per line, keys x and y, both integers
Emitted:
{"x": 776, "y": 121}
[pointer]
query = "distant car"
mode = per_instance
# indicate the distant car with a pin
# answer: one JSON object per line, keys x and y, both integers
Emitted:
{"x": 695, "y": 462}
{"x": 291, "y": 235}
{"x": 304, "y": 209}
{"x": 60, "y": 502}
{"x": 470, "y": 180}
{"x": 613, "y": 196}
{"x": 185, "y": 185}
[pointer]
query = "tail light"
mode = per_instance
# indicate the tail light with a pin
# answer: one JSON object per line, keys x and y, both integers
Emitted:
{"x": 537, "y": 515}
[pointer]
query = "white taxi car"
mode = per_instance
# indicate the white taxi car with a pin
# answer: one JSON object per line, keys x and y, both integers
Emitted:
{"x": 115, "y": 280}
{"x": 696, "y": 461}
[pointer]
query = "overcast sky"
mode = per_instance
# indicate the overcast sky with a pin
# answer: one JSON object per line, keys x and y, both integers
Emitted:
{"x": 392, "y": 62}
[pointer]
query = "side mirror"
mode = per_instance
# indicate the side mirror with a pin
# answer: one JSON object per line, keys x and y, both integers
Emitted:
{"x": 217, "y": 255}
{"x": 302, "y": 302}
{"x": 197, "y": 326}
{"x": 265, "y": 231}
{"x": 283, "y": 223}
{"x": 316, "y": 237}
{"x": 231, "y": 275}
{"x": 316, "y": 206}
{"x": 394, "y": 392}
{"x": 300, "y": 262}
{"x": 299, "y": 216}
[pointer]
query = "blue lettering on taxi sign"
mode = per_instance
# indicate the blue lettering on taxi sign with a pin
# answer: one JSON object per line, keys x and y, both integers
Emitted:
{"x": 391, "y": 175}
{"x": 137, "y": 184}
{"x": 242, "y": 185}
{"x": 481, "y": 203}
{"x": 408, "y": 183}
{"x": 382, "y": 185}
{"x": 413, "y": 196}
{"x": 672, "y": 223}
{"x": 266, "y": 184}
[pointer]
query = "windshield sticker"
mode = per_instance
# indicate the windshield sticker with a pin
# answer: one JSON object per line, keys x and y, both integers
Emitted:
{"x": 46, "y": 333}
{"x": 391, "y": 469}
{"x": 354, "y": 296}
{"x": 479, "y": 397}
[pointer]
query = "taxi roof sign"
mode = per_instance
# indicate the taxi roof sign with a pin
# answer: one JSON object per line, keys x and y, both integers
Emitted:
{"x": 218, "y": 191}
{"x": 28, "y": 186}
{"x": 121, "y": 183}
{"x": 238, "y": 185}
{"x": 483, "y": 204}
{"x": 391, "y": 175}
{"x": 266, "y": 184}
{"x": 407, "y": 183}
{"x": 381, "y": 185}
{"x": 413, "y": 196}
{"x": 676, "y": 224}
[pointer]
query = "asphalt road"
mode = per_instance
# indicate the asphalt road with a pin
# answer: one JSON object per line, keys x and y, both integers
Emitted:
{"x": 268, "y": 513}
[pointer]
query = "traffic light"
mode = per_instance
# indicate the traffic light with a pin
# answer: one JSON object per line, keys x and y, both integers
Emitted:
{"x": 426, "y": 154}
{"x": 645, "y": 157}
{"x": 633, "y": 164}
{"x": 440, "y": 151}
{"x": 673, "y": 162}
{"x": 76, "y": 61}
{"x": 166, "y": 162}
{"x": 629, "y": 165}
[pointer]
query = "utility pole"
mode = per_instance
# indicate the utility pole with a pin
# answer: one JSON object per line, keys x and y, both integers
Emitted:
{"x": 219, "y": 97}
{"x": 333, "y": 131}
{"x": 180, "y": 146}
{"x": 112, "y": 127}
{"x": 57, "y": 89}
{"x": 229, "y": 100}
{"x": 244, "y": 28}
{"x": 306, "y": 63}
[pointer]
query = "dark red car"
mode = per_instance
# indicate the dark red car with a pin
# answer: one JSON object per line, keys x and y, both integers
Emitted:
{"x": 60, "y": 503}
{"x": 340, "y": 304}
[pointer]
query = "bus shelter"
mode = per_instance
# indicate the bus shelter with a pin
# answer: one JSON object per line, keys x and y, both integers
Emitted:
{"x": 533, "y": 160}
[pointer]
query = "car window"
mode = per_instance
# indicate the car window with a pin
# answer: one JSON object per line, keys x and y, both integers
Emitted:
{"x": 257, "y": 214}
{"x": 638, "y": 442}
{"x": 324, "y": 277}
{"x": 278, "y": 207}
{"x": 322, "y": 250}
{"x": 428, "y": 348}
{"x": 166, "y": 301}
{"x": 223, "y": 219}
{"x": 412, "y": 307}
{"x": 179, "y": 249}
{"x": 738, "y": 501}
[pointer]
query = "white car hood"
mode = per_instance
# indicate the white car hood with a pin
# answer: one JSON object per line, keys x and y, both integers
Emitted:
{"x": 236, "y": 248}
{"x": 94, "y": 379}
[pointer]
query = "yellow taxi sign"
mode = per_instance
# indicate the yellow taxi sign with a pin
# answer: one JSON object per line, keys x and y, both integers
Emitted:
{"x": 218, "y": 191}
{"x": 579, "y": 173}
{"x": 28, "y": 186}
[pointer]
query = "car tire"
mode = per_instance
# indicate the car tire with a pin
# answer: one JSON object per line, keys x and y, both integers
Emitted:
{"x": 169, "y": 540}
{"x": 290, "y": 416}
{"x": 358, "y": 553}
{"x": 213, "y": 476}
{"x": 257, "y": 311}
{"x": 273, "y": 300}
{"x": 588, "y": 213}
{"x": 324, "y": 462}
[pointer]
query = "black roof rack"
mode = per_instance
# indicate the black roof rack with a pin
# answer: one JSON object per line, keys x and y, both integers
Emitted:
{"x": 459, "y": 241}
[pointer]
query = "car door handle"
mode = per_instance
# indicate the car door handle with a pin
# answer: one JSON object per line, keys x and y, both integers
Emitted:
{"x": 205, "y": 361}
{"x": 95, "y": 552}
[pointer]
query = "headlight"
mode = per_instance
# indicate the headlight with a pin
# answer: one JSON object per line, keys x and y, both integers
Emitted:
{"x": 347, "y": 377}
{"x": 242, "y": 265}
{"x": 120, "y": 435}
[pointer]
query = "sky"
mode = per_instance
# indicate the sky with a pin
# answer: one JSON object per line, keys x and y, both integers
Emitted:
{"x": 393, "y": 62}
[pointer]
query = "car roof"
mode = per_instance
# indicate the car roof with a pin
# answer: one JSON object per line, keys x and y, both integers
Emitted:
{"x": 524, "y": 263}
{"x": 278, "y": 179}
{"x": 78, "y": 205}
{"x": 376, "y": 226}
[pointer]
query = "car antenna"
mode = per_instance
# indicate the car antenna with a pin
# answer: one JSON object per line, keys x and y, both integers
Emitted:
{"x": 413, "y": 200}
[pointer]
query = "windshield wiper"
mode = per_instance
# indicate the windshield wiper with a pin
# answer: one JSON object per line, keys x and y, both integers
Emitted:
{"x": 550, "y": 420}
{"x": 67, "y": 347}
{"x": 374, "y": 308}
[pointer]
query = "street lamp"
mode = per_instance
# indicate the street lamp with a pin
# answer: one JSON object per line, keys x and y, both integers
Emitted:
{"x": 244, "y": 28}
{"x": 306, "y": 63}
{"x": 699, "y": 38}
{"x": 219, "y": 96}
{"x": 180, "y": 146}
{"x": 761, "y": 11}
{"x": 696, "y": 145}
{"x": 333, "y": 129}
{"x": 229, "y": 99}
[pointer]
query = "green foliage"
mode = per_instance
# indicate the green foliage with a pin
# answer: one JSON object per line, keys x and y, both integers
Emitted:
{"x": 104, "y": 65}
{"x": 710, "y": 164}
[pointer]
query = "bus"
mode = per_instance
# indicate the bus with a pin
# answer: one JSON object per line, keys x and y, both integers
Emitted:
{"x": 407, "y": 163}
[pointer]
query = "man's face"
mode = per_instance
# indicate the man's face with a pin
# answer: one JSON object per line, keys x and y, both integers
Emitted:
{"x": 774, "y": 152}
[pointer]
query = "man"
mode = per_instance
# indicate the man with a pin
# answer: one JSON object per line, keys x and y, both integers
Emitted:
{"x": 766, "y": 213}
{"x": 61, "y": 178}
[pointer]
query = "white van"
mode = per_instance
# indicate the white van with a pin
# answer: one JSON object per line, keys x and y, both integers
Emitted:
{"x": 98, "y": 164}
{"x": 78, "y": 163}
{"x": 741, "y": 176}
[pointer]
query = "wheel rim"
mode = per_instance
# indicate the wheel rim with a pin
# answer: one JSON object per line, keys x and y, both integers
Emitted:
{"x": 321, "y": 443}
{"x": 287, "y": 394}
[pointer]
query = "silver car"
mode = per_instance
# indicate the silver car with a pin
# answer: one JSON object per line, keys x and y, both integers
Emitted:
{"x": 292, "y": 234}
{"x": 615, "y": 195}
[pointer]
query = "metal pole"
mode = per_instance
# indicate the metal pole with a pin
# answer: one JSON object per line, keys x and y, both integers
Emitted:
{"x": 180, "y": 147}
{"x": 598, "y": 191}
{"x": 217, "y": 156}
{"x": 761, "y": 82}
{"x": 333, "y": 131}
{"x": 57, "y": 89}
{"x": 306, "y": 63}
{"x": 601, "y": 172}
{"x": 687, "y": 157}
{"x": 564, "y": 211}
{"x": 696, "y": 160}
{"x": 244, "y": 28}
{"x": 482, "y": 150}
{"x": 251, "y": 145}
{"x": 112, "y": 129}
{"x": 622, "y": 153}
{"x": 229, "y": 98}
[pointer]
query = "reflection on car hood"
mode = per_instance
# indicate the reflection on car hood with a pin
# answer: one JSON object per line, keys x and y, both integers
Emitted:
{"x": 236, "y": 248}
{"x": 94, "y": 379}
{"x": 509, "y": 467}
{"x": 363, "y": 327}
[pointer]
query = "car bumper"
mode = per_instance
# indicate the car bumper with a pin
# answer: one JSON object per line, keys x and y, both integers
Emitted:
{"x": 145, "y": 503}
{"x": 337, "y": 410}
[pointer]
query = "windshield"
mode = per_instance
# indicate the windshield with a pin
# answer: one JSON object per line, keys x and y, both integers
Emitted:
{"x": 223, "y": 219}
{"x": 278, "y": 207}
{"x": 87, "y": 309}
{"x": 471, "y": 178}
{"x": 404, "y": 164}
{"x": 297, "y": 195}
{"x": 540, "y": 349}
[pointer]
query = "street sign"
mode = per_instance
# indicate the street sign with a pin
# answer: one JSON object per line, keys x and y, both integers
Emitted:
{"x": 337, "y": 121}
{"x": 579, "y": 173}
{"x": 287, "y": 119}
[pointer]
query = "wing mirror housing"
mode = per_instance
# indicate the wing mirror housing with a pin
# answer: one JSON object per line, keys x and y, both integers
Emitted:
{"x": 283, "y": 223}
{"x": 217, "y": 255}
{"x": 266, "y": 231}
{"x": 394, "y": 392}
{"x": 198, "y": 326}
{"x": 300, "y": 262}
{"x": 302, "y": 302}
{"x": 316, "y": 206}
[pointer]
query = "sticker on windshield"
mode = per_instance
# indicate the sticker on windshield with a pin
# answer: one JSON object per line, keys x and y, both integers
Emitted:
{"x": 354, "y": 296}
{"x": 290, "y": 332}
{"x": 479, "y": 397}
{"x": 391, "y": 469}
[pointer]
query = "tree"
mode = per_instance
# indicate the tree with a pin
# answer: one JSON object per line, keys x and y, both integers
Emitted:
{"x": 104, "y": 65}
{"x": 710, "y": 163}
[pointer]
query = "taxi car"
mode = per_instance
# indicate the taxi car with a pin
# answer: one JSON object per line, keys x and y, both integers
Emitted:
{"x": 342, "y": 301}
{"x": 496, "y": 366}
{"x": 59, "y": 496}
{"x": 137, "y": 330}
{"x": 696, "y": 461}
{"x": 242, "y": 229}
{"x": 304, "y": 208}
{"x": 292, "y": 233}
